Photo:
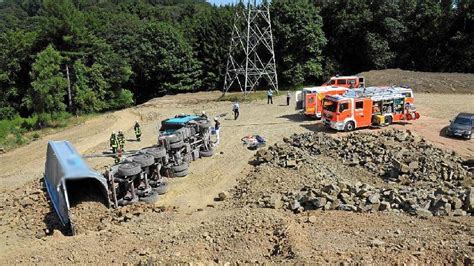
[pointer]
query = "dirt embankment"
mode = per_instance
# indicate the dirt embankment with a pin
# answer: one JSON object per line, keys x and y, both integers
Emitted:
{"x": 426, "y": 82}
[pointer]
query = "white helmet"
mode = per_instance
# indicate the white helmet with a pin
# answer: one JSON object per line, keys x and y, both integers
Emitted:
{"x": 216, "y": 118}
{"x": 203, "y": 112}
{"x": 113, "y": 132}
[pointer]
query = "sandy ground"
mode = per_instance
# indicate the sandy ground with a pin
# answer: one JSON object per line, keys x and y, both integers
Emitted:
{"x": 192, "y": 196}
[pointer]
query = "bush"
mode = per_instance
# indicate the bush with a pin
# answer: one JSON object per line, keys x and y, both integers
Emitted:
{"x": 124, "y": 99}
{"x": 7, "y": 112}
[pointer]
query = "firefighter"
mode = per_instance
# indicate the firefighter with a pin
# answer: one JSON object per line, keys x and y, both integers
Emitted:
{"x": 204, "y": 115}
{"x": 236, "y": 110}
{"x": 288, "y": 98}
{"x": 121, "y": 140}
{"x": 217, "y": 128}
{"x": 270, "y": 96}
{"x": 113, "y": 142}
{"x": 138, "y": 131}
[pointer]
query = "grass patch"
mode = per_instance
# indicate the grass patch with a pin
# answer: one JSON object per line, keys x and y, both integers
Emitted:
{"x": 20, "y": 131}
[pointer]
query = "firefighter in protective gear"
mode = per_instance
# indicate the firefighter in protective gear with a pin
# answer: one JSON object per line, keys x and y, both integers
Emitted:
{"x": 114, "y": 142}
{"x": 138, "y": 132}
{"x": 121, "y": 140}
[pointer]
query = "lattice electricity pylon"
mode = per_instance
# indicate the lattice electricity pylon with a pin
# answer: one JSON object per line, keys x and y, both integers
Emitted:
{"x": 251, "y": 53}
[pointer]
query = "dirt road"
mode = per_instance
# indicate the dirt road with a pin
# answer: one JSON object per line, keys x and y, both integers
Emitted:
{"x": 208, "y": 177}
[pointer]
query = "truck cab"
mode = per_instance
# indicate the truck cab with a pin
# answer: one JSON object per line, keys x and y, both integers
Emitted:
{"x": 346, "y": 81}
{"x": 170, "y": 125}
{"x": 313, "y": 99}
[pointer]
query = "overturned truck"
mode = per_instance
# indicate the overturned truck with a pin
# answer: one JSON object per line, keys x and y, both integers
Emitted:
{"x": 139, "y": 176}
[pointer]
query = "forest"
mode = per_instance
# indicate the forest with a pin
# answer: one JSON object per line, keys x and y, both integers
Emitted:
{"x": 116, "y": 53}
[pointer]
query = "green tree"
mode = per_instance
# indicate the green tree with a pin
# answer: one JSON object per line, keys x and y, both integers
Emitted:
{"x": 209, "y": 33}
{"x": 299, "y": 40}
{"x": 49, "y": 86}
{"x": 164, "y": 61}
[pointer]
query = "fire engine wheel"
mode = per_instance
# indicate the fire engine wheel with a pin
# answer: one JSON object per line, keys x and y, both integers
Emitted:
{"x": 129, "y": 169}
{"x": 144, "y": 159}
{"x": 180, "y": 167}
{"x": 388, "y": 120}
{"x": 208, "y": 153}
{"x": 177, "y": 145}
{"x": 156, "y": 152}
{"x": 151, "y": 198}
{"x": 181, "y": 173}
{"x": 350, "y": 126}
{"x": 162, "y": 188}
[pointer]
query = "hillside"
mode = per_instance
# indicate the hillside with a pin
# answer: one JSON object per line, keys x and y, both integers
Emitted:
{"x": 428, "y": 82}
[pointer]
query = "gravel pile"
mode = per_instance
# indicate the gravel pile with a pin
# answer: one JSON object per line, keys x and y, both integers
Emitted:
{"x": 395, "y": 155}
{"x": 420, "y": 179}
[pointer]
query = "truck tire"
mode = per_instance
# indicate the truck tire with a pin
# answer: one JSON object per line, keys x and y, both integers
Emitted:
{"x": 156, "y": 152}
{"x": 181, "y": 173}
{"x": 388, "y": 120}
{"x": 349, "y": 126}
{"x": 177, "y": 145}
{"x": 129, "y": 169}
{"x": 144, "y": 160}
{"x": 162, "y": 188}
{"x": 151, "y": 198}
{"x": 180, "y": 167}
{"x": 208, "y": 153}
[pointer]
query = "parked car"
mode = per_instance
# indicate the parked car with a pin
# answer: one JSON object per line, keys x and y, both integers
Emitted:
{"x": 461, "y": 126}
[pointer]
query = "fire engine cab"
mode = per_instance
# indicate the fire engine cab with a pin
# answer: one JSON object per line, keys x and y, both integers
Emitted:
{"x": 313, "y": 99}
{"x": 310, "y": 99}
{"x": 346, "y": 81}
{"x": 373, "y": 106}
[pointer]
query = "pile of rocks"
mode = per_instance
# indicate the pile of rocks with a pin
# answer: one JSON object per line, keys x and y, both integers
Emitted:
{"x": 429, "y": 181}
{"x": 361, "y": 197}
{"x": 395, "y": 155}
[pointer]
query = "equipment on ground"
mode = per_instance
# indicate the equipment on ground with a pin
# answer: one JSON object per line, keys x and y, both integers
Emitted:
{"x": 253, "y": 142}
{"x": 373, "y": 106}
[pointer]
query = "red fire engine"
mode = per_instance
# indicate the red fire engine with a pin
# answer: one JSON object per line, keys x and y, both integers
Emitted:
{"x": 312, "y": 97}
{"x": 374, "y": 106}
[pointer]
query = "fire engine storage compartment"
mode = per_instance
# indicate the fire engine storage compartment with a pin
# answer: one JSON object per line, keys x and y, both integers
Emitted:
{"x": 68, "y": 178}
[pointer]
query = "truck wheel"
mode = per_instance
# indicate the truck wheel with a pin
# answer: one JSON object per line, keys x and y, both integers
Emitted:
{"x": 129, "y": 169}
{"x": 349, "y": 126}
{"x": 181, "y": 173}
{"x": 157, "y": 152}
{"x": 162, "y": 188}
{"x": 388, "y": 120}
{"x": 180, "y": 167}
{"x": 177, "y": 145}
{"x": 151, "y": 198}
{"x": 208, "y": 153}
{"x": 144, "y": 159}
